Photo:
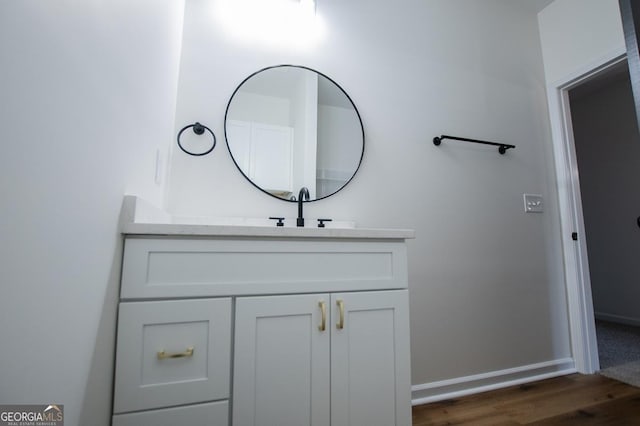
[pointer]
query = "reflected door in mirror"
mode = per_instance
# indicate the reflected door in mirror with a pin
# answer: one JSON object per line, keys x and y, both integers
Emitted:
{"x": 265, "y": 152}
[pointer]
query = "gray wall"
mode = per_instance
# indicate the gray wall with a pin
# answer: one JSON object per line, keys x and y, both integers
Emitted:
{"x": 608, "y": 151}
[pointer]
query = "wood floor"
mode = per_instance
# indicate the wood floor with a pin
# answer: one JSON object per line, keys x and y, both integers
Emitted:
{"x": 569, "y": 400}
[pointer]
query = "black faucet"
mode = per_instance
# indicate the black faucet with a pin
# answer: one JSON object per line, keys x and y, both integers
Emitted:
{"x": 304, "y": 192}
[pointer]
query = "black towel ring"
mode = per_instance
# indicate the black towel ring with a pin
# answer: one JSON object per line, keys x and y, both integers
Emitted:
{"x": 198, "y": 129}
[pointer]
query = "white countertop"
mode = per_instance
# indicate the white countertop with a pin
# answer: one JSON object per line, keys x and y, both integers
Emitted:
{"x": 140, "y": 218}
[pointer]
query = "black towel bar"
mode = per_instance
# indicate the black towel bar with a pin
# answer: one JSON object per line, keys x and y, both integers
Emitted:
{"x": 502, "y": 147}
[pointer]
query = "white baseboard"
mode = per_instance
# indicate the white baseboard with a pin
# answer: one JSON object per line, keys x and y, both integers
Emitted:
{"x": 617, "y": 318}
{"x": 461, "y": 386}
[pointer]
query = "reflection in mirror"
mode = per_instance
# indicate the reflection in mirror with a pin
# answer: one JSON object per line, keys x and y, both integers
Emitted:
{"x": 289, "y": 127}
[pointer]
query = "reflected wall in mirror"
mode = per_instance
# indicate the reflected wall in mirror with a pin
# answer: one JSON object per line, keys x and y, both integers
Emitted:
{"x": 289, "y": 127}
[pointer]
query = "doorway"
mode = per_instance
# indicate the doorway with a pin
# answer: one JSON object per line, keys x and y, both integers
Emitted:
{"x": 607, "y": 153}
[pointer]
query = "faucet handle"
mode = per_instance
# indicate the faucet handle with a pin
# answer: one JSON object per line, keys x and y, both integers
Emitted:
{"x": 322, "y": 221}
{"x": 279, "y": 219}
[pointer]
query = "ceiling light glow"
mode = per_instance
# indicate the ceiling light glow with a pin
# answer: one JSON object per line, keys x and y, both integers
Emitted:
{"x": 282, "y": 22}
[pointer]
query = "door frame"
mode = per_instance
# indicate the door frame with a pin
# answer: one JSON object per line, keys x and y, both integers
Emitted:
{"x": 584, "y": 345}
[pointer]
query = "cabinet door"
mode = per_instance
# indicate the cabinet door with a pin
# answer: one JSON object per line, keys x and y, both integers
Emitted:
{"x": 281, "y": 362}
{"x": 370, "y": 370}
{"x": 263, "y": 152}
{"x": 272, "y": 157}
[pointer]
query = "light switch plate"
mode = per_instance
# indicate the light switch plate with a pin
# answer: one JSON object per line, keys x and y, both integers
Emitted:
{"x": 533, "y": 203}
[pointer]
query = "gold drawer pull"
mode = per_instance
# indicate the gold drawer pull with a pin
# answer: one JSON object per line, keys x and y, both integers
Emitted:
{"x": 323, "y": 310}
{"x": 340, "y": 324}
{"x": 186, "y": 354}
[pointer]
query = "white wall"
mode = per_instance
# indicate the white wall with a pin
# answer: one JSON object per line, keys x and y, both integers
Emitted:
{"x": 87, "y": 93}
{"x": 577, "y": 35}
{"x": 608, "y": 151}
{"x": 252, "y": 107}
{"x": 486, "y": 281}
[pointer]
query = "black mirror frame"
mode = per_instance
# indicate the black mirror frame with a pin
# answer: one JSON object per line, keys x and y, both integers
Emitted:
{"x": 320, "y": 74}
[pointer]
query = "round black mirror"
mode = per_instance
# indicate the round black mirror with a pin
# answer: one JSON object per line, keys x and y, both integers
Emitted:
{"x": 289, "y": 127}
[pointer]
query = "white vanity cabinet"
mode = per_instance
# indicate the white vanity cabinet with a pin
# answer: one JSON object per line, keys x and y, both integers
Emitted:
{"x": 247, "y": 329}
{"x": 322, "y": 359}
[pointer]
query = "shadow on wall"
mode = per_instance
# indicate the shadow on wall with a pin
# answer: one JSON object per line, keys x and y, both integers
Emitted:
{"x": 97, "y": 404}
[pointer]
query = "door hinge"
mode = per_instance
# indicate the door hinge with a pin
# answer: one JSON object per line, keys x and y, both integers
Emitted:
{"x": 574, "y": 236}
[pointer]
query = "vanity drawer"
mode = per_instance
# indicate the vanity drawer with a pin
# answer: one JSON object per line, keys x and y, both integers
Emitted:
{"x": 172, "y": 353}
{"x": 211, "y": 414}
{"x": 188, "y": 267}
